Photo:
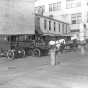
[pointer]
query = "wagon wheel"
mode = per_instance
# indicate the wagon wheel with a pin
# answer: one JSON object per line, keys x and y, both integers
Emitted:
{"x": 29, "y": 52}
{"x": 36, "y": 52}
{"x": 10, "y": 54}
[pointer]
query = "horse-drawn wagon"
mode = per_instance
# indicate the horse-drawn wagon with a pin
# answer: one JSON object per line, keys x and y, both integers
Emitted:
{"x": 25, "y": 33}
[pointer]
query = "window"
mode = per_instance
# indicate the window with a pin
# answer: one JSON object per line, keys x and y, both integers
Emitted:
{"x": 79, "y": 19}
{"x": 76, "y": 18}
{"x": 45, "y": 24}
{"x": 59, "y": 27}
{"x": 68, "y": 4}
{"x": 37, "y": 22}
{"x": 49, "y": 25}
{"x": 66, "y": 28}
{"x": 54, "y": 26}
{"x": 62, "y": 28}
{"x": 87, "y": 17}
{"x": 55, "y": 6}
{"x": 73, "y": 3}
{"x": 78, "y": 4}
{"x": 73, "y": 19}
{"x": 59, "y": 5}
{"x": 50, "y": 7}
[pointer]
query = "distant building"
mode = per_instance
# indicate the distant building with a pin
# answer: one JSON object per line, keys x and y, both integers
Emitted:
{"x": 74, "y": 12}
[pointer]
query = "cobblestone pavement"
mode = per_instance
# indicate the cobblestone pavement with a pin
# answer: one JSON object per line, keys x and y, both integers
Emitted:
{"x": 71, "y": 71}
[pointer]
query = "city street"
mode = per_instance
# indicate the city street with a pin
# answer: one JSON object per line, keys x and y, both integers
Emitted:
{"x": 71, "y": 71}
{"x": 29, "y": 28}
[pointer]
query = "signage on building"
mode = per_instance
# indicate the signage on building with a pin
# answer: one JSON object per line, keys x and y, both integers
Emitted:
{"x": 76, "y": 30}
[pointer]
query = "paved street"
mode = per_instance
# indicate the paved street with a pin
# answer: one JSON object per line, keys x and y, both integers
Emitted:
{"x": 71, "y": 71}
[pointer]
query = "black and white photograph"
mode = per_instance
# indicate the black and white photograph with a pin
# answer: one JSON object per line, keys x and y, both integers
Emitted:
{"x": 43, "y": 43}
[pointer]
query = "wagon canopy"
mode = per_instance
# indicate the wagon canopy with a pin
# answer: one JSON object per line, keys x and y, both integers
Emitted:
{"x": 16, "y": 17}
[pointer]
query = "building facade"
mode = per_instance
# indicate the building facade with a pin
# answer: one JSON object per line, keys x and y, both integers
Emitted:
{"x": 74, "y": 12}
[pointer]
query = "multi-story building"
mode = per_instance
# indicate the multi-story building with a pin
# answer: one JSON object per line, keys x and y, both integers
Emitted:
{"x": 74, "y": 12}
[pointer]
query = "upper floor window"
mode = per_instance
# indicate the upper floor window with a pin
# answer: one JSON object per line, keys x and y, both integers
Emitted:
{"x": 45, "y": 24}
{"x": 59, "y": 26}
{"x": 76, "y": 18}
{"x": 50, "y": 7}
{"x": 87, "y": 17}
{"x": 37, "y": 22}
{"x": 49, "y": 25}
{"x": 72, "y": 3}
{"x": 55, "y": 6}
{"x": 66, "y": 28}
{"x": 54, "y": 26}
{"x": 62, "y": 28}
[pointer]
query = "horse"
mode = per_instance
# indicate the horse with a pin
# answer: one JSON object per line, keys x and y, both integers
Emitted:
{"x": 59, "y": 45}
{"x": 52, "y": 44}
